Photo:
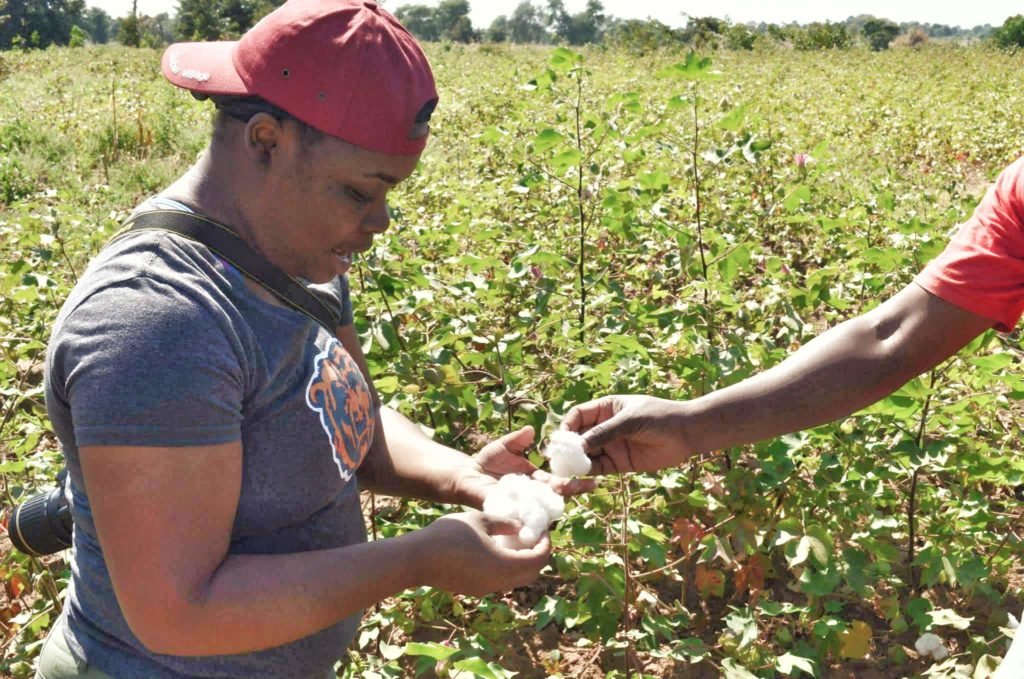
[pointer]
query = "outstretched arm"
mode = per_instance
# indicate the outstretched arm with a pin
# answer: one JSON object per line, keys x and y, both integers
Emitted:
{"x": 843, "y": 370}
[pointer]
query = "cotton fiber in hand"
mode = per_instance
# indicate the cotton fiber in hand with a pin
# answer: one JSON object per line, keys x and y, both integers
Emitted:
{"x": 565, "y": 450}
{"x": 520, "y": 498}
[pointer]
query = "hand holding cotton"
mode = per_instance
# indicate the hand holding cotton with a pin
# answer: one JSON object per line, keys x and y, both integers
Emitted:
{"x": 565, "y": 450}
{"x": 519, "y": 498}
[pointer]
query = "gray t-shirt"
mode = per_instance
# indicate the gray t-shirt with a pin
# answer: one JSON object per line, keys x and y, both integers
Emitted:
{"x": 161, "y": 343}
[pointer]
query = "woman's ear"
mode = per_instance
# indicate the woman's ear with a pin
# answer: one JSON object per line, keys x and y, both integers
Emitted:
{"x": 262, "y": 136}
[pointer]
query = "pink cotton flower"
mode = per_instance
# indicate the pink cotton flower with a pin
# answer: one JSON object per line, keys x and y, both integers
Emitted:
{"x": 801, "y": 159}
{"x": 537, "y": 273}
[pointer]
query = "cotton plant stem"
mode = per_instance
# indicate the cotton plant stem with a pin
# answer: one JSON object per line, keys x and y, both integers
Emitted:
{"x": 629, "y": 603}
{"x": 582, "y": 214}
{"x": 912, "y": 500}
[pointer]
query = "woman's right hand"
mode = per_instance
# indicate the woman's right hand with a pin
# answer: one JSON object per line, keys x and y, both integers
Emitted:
{"x": 468, "y": 560}
{"x": 630, "y": 433}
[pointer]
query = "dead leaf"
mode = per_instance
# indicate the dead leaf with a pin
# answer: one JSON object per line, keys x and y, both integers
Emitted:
{"x": 750, "y": 576}
{"x": 709, "y": 582}
{"x": 855, "y": 642}
{"x": 687, "y": 534}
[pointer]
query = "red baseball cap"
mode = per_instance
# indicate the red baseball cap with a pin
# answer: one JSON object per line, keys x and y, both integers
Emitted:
{"x": 345, "y": 67}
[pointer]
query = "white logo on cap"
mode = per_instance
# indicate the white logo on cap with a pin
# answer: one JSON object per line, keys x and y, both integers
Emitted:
{"x": 188, "y": 73}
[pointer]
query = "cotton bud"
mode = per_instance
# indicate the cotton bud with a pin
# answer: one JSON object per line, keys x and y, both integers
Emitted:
{"x": 930, "y": 645}
{"x": 565, "y": 450}
{"x": 517, "y": 497}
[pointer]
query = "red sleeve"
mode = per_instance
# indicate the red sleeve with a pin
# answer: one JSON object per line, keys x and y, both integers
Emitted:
{"x": 982, "y": 268}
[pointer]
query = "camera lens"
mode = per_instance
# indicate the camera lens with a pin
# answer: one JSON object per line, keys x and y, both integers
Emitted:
{"x": 42, "y": 524}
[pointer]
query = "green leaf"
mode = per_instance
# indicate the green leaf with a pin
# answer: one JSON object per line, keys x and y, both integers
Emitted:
{"x": 986, "y": 667}
{"x": 821, "y": 544}
{"x": 789, "y": 530}
{"x": 803, "y": 550}
{"x": 743, "y": 627}
{"x": 431, "y": 650}
{"x": 478, "y": 667}
{"x": 679, "y": 101}
{"x": 919, "y": 611}
{"x": 993, "y": 362}
{"x": 492, "y": 135}
{"x": 549, "y": 609}
{"x": 13, "y": 466}
{"x": 856, "y": 565}
{"x": 887, "y": 201}
{"x": 736, "y": 261}
{"x": 732, "y": 670}
{"x": 788, "y": 663}
{"x": 691, "y": 649}
{"x": 566, "y": 159}
{"x": 654, "y": 181}
{"x": 798, "y": 194}
{"x": 694, "y": 68}
{"x": 733, "y": 120}
{"x": 947, "y": 617}
{"x": 546, "y": 140}
{"x": 886, "y": 259}
{"x": 820, "y": 583}
{"x": 563, "y": 60}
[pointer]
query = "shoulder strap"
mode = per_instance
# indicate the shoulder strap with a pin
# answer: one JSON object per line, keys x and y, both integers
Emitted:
{"x": 223, "y": 241}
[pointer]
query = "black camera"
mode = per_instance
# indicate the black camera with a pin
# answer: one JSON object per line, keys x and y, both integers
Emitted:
{"x": 42, "y": 524}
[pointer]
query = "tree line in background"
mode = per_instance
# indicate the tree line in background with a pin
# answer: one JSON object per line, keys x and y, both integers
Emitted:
{"x": 553, "y": 24}
{"x": 41, "y": 23}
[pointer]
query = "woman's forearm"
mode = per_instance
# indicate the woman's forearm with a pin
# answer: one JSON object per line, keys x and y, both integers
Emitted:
{"x": 254, "y": 602}
{"x": 405, "y": 462}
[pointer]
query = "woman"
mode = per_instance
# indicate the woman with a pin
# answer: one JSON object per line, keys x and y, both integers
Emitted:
{"x": 216, "y": 441}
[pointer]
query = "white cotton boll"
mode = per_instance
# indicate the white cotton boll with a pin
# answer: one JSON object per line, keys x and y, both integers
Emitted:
{"x": 1012, "y": 622}
{"x": 503, "y": 505}
{"x": 930, "y": 645}
{"x": 565, "y": 450}
{"x": 530, "y": 535}
{"x": 517, "y": 497}
{"x": 535, "y": 522}
{"x": 551, "y": 502}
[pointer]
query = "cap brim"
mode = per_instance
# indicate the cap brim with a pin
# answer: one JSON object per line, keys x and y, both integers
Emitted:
{"x": 206, "y": 67}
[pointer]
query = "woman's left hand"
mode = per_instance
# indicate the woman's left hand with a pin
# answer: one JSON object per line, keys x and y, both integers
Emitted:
{"x": 507, "y": 455}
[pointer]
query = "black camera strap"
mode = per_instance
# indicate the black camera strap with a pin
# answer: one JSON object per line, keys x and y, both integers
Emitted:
{"x": 224, "y": 242}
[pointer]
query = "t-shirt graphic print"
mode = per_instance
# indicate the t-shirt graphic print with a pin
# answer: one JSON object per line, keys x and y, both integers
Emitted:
{"x": 338, "y": 392}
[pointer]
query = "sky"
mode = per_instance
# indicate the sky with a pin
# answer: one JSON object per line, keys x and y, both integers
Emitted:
{"x": 671, "y": 12}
